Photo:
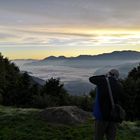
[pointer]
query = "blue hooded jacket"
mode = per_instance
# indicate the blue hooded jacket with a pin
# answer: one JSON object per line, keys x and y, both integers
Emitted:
{"x": 96, "y": 109}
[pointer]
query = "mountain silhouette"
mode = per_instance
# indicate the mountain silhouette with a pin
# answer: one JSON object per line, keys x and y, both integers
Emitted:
{"x": 116, "y": 55}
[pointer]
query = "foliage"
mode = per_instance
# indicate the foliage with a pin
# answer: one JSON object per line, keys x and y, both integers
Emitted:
{"x": 85, "y": 102}
{"x": 92, "y": 94}
{"x": 135, "y": 73}
{"x": 54, "y": 91}
{"x": 15, "y": 87}
{"x": 131, "y": 87}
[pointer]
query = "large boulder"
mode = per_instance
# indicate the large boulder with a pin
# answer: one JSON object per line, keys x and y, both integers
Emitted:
{"x": 65, "y": 115}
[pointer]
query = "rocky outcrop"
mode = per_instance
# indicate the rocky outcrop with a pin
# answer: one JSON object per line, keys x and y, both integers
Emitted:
{"x": 65, "y": 115}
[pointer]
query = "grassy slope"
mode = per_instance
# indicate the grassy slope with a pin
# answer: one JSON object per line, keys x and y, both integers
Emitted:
{"x": 25, "y": 124}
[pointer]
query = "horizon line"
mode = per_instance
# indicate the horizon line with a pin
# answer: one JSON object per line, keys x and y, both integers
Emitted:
{"x": 75, "y": 56}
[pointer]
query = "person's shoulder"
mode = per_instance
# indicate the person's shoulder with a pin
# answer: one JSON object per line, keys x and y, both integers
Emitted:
{"x": 100, "y": 76}
{"x": 97, "y": 79}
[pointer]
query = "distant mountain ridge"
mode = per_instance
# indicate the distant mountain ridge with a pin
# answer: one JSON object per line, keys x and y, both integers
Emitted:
{"x": 116, "y": 55}
{"x": 55, "y": 58}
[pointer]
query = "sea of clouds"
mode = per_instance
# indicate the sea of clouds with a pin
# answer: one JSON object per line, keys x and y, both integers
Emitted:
{"x": 74, "y": 73}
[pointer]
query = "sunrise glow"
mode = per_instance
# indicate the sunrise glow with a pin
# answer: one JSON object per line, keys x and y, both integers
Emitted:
{"x": 37, "y": 29}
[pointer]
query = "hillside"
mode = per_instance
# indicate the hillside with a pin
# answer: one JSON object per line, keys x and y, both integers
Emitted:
{"x": 25, "y": 124}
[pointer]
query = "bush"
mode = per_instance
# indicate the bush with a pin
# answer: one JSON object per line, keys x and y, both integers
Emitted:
{"x": 55, "y": 93}
{"x": 85, "y": 102}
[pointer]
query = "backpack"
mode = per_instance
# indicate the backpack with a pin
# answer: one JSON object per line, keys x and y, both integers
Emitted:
{"x": 117, "y": 113}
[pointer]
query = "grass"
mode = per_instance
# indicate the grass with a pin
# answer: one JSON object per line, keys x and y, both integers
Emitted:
{"x": 25, "y": 124}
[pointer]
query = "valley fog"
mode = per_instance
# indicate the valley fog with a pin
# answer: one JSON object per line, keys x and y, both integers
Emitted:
{"x": 74, "y": 73}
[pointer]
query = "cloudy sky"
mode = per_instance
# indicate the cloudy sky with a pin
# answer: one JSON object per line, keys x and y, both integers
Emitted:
{"x": 40, "y": 28}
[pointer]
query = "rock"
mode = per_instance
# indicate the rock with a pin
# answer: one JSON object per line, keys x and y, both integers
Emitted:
{"x": 65, "y": 115}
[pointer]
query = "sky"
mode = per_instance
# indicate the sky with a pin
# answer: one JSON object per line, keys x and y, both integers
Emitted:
{"x": 41, "y": 28}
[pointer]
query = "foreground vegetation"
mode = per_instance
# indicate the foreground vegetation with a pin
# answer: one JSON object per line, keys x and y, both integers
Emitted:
{"x": 25, "y": 124}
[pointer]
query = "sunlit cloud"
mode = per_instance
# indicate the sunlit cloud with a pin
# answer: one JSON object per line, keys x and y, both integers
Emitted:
{"x": 67, "y": 37}
{"x": 71, "y": 27}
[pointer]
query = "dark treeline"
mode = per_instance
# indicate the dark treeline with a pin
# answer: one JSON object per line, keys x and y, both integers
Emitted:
{"x": 131, "y": 86}
{"x": 20, "y": 90}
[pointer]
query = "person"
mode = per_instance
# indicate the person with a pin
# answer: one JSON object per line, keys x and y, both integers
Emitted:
{"x": 102, "y": 107}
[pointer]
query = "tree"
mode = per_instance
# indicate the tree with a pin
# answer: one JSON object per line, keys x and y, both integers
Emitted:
{"x": 131, "y": 87}
{"x": 15, "y": 87}
{"x": 9, "y": 73}
{"x": 135, "y": 73}
{"x": 55, "y": 92}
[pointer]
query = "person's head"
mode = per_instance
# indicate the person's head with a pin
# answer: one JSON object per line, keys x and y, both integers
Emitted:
{"x": 114, "y": 73}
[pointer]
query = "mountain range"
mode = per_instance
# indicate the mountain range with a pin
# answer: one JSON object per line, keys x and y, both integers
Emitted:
{"x": 75, "y": 71}
{"x": 116, "y": 55}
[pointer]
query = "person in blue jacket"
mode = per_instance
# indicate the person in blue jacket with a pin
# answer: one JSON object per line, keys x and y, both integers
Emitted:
{"x": 102, "y": 107}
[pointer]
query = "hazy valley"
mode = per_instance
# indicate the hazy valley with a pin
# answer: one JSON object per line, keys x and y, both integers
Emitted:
{"x": 74, "y": 72}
